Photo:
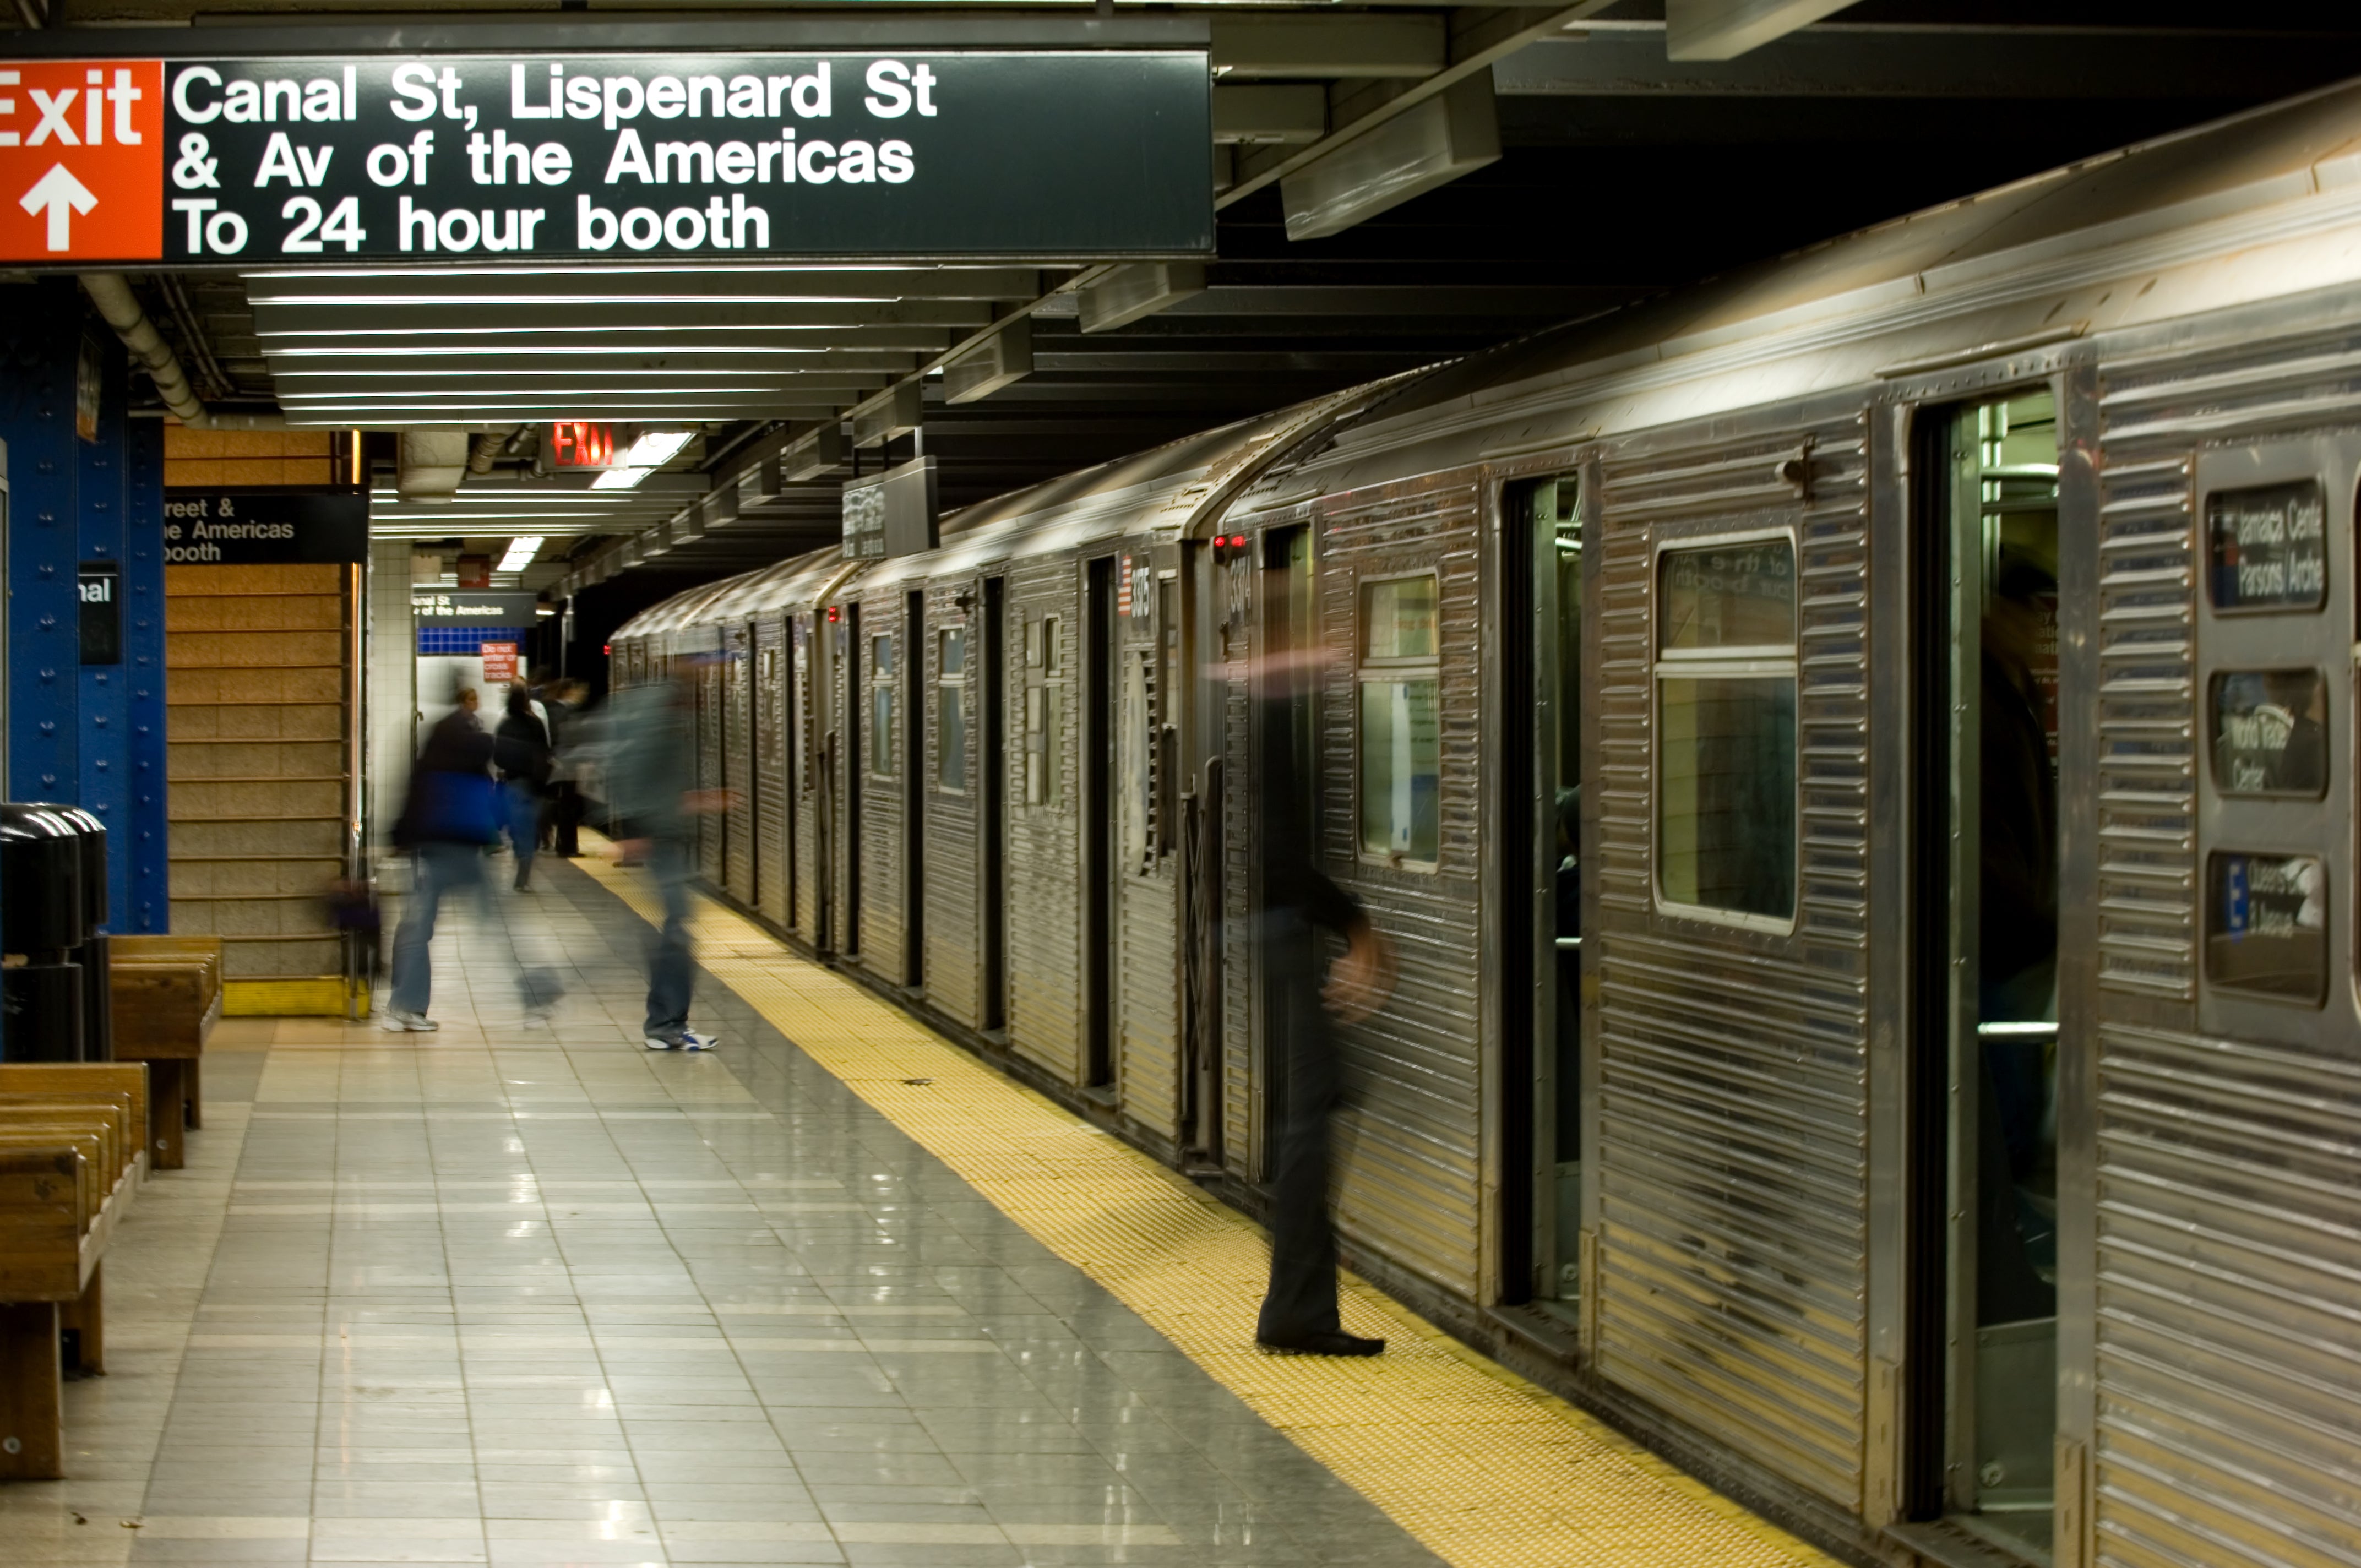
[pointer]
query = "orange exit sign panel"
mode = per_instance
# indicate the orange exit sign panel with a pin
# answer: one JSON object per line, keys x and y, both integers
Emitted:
{"x": 81, "y": 160}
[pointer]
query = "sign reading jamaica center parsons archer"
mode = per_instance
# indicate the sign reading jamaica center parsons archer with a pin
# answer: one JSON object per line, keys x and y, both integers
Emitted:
{"x": 616, "y": 157}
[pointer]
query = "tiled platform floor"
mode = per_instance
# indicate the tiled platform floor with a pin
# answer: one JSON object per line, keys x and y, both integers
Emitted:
{"x": 536, "y": 1296}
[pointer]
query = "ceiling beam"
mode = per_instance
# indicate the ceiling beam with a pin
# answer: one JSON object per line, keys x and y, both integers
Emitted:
{"x": 1953, "y": 61}
{"x": 1257, "y": 114}
{"x": 1478, "y": 36}
{"x": 1724, "y": 29}
{"x": 1298, "y": 45}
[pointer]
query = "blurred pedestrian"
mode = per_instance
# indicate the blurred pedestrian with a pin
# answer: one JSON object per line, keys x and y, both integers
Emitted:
{"x": 1299, "y": 901}
{"x": 566, "y": 704}
{"x": 652, "y": 800}
{"x": 520, "y": 749}
{"x": 450, "y": 820}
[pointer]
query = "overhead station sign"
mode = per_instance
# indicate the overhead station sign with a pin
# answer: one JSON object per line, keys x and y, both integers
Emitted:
{"x": 618, "y": 158}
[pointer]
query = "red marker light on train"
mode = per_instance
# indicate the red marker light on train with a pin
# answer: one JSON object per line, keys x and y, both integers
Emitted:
{"x": 605, "y": 648}
{"x": 831, "y": 615}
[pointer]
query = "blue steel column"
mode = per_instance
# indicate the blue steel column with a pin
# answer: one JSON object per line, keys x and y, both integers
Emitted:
{"x": 36, "y": 419}
{"x": 146, "y": 846}
{"x": 102, "y": 710}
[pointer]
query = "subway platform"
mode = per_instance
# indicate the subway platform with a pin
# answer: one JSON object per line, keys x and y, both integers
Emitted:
{"x": 837, "y": 1293}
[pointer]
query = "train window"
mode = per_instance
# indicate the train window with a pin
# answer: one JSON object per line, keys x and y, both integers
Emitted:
{"x": 1400, "y": 721}
{"x": 881, "y": 706}
{"x": 2266, "y": 924}
{"x": 2269, "y": 732}
{"x": 1725, "y": 729}
{"x": 1045, "y": 714}
{"x": 2269, "y": 547}
{"x": 950, "y": 709}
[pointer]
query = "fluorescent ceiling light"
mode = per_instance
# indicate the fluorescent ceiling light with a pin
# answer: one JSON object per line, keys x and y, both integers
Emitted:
{"x": 656, "y": 448}
{"x": 521, "y": 551}
{"x": 619, "y": 478}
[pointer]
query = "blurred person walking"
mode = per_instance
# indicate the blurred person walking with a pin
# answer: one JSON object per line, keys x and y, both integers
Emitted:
{"x": 564, "y": 702}
{"x": 450, "y": 819}
{"x": 1299, "y": 901}
{"x": 652, "y": 799}
{"x": 520, "y": 749}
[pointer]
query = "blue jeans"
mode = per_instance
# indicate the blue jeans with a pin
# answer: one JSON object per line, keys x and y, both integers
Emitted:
{"x": 672, "y": 974}
{"x": 443, "y": 869}
{"x": 524, "y": 825}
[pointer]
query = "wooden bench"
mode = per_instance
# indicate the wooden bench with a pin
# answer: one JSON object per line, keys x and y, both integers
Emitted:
{"x": 166, "y": 993}
{"x": 72, "y": 1152}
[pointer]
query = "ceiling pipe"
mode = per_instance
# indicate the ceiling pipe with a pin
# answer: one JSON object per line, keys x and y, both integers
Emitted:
{"x": 487, "y": 451}
{"x": 120, "y": 307}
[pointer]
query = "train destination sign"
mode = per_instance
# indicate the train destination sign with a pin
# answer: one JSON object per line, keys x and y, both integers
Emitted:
{"x": 2270, "y": 546}
{"x": 616, "y": 157}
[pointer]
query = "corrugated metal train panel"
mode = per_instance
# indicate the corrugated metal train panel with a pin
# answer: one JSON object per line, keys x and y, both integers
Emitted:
{"x": 2228, "y": 1346}
{"x": 1045, "y": 977}
{"x": 1409, "y": 1180}
{"x": 1733, "y": 1157}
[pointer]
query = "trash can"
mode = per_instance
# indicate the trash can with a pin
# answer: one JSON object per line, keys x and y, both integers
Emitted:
{"x": 43, "y": 920}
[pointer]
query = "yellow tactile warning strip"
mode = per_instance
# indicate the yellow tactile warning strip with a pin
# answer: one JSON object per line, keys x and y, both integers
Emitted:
{"x": 1485, "y": 1469}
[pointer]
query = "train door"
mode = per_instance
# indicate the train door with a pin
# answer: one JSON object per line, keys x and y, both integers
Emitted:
{"x": 992, "y": 1014}
{"x": 1985, "y": 1054}
{"x": 1099, "y": 854}
{"x": 1541, "y": 836}
{"x": 913, "y": 789}
{"x": 712, "y": 826}
{"x": 1286, "y": 698}
{"x": 854, "y": 659}
{"x": 827, "y": 723}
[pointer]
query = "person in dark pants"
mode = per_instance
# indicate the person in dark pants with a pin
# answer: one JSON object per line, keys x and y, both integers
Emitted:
{"x": 565, "y": 705}
{"x": 1298, "y": 902}
{"x": 521, "y": 751}
{"x": 450, "y": 818}
{"x": 651, "y": 793}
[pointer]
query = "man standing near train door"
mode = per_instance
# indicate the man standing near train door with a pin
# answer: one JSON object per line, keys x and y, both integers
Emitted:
{"x": 1299, "y": 901}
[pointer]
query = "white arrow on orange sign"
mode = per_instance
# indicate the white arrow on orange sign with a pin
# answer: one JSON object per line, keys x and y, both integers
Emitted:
{"x": 64, "y": 196}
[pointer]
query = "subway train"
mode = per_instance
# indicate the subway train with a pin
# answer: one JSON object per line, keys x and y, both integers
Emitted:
{"x": 1856, "y": 758}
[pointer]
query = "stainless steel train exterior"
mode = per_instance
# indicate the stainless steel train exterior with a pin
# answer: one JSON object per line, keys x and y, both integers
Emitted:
{"x": 1686, "y": 682}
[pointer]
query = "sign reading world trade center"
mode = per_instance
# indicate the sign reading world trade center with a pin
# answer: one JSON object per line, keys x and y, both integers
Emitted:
{"x": 617, "y": 158}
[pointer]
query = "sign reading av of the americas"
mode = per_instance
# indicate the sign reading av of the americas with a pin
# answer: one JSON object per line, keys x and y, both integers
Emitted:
{"x": 606, "y": 157}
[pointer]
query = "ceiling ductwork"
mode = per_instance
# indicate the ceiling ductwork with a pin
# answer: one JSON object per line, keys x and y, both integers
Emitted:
{"x": 122, "y": 310}
{"x": 433, "y": 464}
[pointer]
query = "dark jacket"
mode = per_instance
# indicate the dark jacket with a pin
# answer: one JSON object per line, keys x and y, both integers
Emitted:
{"x": 438, "y": 806}
{"x": 522, "y": 751}
{"x": 1292, "y": 881}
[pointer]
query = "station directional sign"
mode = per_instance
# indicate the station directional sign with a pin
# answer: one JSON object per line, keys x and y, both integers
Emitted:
{"x": 1047, "y": 154}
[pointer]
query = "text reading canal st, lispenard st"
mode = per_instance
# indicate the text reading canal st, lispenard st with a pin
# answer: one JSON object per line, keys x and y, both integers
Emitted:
{"x": 1030, "y": 153}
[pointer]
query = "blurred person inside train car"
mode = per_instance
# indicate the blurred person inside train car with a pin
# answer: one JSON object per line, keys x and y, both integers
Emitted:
{"x": 2017, "y": 941}
{"x": 522, "y": 752}
{"x": 564, "y": 700}
{"x": 450, "y": 821}
{"x": 1301, "y": 1006}
{"x": 649, "y": 756}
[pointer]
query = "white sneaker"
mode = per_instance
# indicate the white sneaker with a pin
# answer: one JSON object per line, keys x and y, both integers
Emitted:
{"x": 397, "y": 1021}
{"x": 689, "y": 1041}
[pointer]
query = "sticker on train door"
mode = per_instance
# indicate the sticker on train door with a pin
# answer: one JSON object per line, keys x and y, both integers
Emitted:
{"x": 2237, "y": 899}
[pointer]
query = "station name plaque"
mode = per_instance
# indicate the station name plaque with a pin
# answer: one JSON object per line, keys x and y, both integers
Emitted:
{"x": 892, "y": 513}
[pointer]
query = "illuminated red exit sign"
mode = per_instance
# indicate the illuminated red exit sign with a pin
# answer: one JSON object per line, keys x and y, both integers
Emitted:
{"x": 581, "y": 444}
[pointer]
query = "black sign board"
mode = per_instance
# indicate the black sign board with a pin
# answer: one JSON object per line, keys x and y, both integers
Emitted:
{"x": 472, "y": 606}
{"x": 102, "y": 612}
{"x": 2270, "y": 546}
{"x": 259, "y": 527}
{"x": 626, "y": 158}
{"x": 892, "y": 513}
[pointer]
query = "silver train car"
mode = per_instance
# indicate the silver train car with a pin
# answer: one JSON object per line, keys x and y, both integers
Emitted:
{"x": 1856, "y": 758}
